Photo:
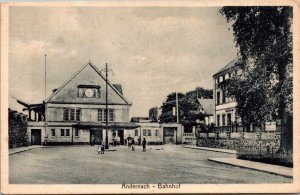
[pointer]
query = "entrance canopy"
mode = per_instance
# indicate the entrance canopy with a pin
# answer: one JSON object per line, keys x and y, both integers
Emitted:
{"x": 111, "y": 125}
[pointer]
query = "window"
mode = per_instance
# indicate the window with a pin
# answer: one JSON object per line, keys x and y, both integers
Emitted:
{"x": 229, "y": 119}
{"x": 67, "y": 132}
{"x": 53, "y": 132}
{"x": 72, "y": 114}
{"x": 144, "y": 132}
{"x": 69, "y": 114}
{"x": 110, "y": 115}
{"x": 76, "y": 133}
{"x": 62, "y": 132}
{"x": 78, "y": 114}
{"x": 223, "y": 119}
{"x": 66, "y": 114}
{"x": 218, "y": 120}
{"x": 223, "y": 97}
{"x": 218, "y": 97}
{"x": 102, "y": 115}
{"x": 149, "y": 132}
{"x": 156, "y": 132}
{"x": 136, "y": 133}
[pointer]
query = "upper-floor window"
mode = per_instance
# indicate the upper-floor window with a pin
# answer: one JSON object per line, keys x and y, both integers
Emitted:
{"x": 102, "y": 115}
{"x": 218, "y": 97}
{"x": 136, "y": 133}
{"x": 71, "y": 114}
{"x": 144, "y": 132}
{"x": 149, "y": 132}
{"x": 89, "y": 91}
{"x": 156, "y": 132}
{"x": 62, "y": 132}
{"x": 223, "y": 97}
{"x": 76, "y": 133}
{"x": 53, "y": 132}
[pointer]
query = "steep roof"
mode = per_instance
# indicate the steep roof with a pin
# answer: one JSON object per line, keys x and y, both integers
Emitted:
{"x": 207, "y": 105}
{"x": 98, "y": 72}
{"x": 228, "y": 66}
{"x": 119, "y": 88}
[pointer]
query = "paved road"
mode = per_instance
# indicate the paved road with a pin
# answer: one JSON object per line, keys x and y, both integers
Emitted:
{"x": 82, "y": 165}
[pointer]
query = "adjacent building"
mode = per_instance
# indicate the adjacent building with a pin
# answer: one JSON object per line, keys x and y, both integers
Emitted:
{"x": 206, "y": 106}
{"x": 75, "y": 113}
{"x": 224, "y": 107}
{"x": 151, "y": 131}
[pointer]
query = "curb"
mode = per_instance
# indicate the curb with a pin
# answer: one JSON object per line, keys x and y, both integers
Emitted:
{"x": 208, "y": 149}
{"x": 251, "y": 168}
{"x": 22, "y": 150}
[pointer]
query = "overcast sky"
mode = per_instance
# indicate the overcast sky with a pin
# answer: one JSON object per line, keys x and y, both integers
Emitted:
{"x": 152, "y": 51}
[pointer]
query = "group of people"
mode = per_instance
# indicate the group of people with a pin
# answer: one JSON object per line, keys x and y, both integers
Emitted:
{"x": 130, "y": 142}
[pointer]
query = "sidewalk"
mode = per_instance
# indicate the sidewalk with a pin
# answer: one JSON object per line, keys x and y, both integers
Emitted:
{"x": 210, "y": 149}
{"x": 22, "y": 149}
{"x": 268, "y": 168}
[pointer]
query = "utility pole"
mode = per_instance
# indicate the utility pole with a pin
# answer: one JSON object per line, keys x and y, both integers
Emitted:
{"x": 45, "y": 109}
{"x": 106, "y": 103}
{"x": 177, "y": 117}
{"x": 106, "y": 109}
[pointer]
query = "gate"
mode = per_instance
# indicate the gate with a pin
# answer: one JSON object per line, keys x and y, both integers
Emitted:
{"x": 35, "y": 136}
{"x": 170, "y": 135}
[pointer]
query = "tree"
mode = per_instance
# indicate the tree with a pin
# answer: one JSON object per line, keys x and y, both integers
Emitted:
{"x": 187, "y": 108}
{"x": 264, "y": 38}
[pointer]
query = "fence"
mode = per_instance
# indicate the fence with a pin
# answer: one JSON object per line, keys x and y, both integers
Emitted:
{"x": 233, "y": 140}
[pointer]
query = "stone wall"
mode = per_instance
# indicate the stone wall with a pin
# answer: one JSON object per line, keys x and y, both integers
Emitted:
{"x": 17, "y": 129}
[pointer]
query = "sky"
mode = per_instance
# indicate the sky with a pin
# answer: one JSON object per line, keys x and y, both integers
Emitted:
{"x": 153, "y": 51}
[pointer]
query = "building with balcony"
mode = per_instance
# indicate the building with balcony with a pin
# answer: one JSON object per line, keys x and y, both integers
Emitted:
{"x": 75, "y": 113}
{"x": 225, "y": 115}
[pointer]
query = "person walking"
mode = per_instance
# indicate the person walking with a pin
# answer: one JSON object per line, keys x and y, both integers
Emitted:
{"x": 132, "y": 144}
{"x": 118, "y": 140}
{"x": 129, "y": 141}
{"x": 144, "y": 144}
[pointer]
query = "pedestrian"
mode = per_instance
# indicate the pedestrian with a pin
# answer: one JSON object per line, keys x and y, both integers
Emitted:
{"x": 132, "y": 144}
{"x": 92, "y": 140}
{"x": 102, "y": 149}
{"x": 118, "y": 140}
{"x": 99, "y": 149}
{"x": 144, "y": 145}
{"x": 129, "y": 141}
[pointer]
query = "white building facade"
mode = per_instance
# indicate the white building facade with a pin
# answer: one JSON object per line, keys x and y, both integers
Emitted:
{"x": 76, "y": 112}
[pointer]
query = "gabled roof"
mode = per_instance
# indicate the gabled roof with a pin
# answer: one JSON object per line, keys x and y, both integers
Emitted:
{"x": 207, "y": 105}
{"x": 89, "y": 63}
{"x": 231, "y": 64}
{"x": 119, "y": 88}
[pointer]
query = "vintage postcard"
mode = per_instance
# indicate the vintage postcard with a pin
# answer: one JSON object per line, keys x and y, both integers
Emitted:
{"x": 119, "y": 97}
